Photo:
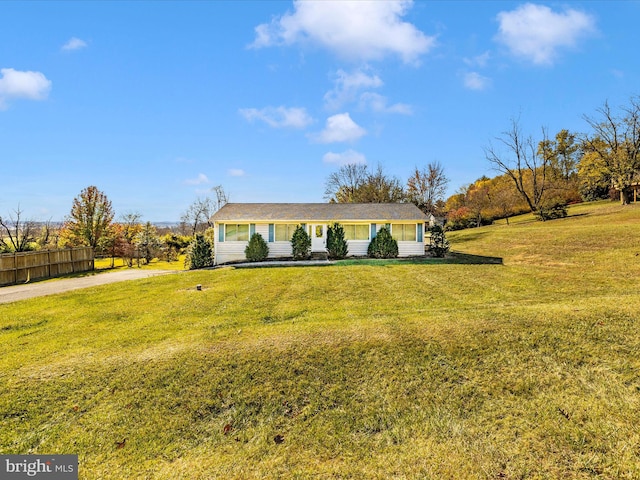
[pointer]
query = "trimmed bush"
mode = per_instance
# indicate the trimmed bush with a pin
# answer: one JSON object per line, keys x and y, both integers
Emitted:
{"x": 257, "y": 250}
{"x": 199, "y": 253}
{"x": 301, "y": 244}
{"x": 439, "y": 245}
{"x": 383, "y": 245}
{"x": 336, "y": 243}
{"x": 552, "y": 210}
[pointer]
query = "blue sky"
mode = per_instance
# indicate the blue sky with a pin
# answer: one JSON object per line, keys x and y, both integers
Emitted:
{"x": 155, "y": 103}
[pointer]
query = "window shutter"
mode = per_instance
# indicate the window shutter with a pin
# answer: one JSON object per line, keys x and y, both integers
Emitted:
{"x": 252, "y": 229}
{"x": 373, "y": 231}
{"x": 420, "y": 229}
{"x": 221, "y": 232}
{"x": 271, "y": 232}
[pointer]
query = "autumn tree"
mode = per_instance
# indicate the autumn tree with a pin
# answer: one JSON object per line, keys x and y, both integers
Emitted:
{"x": 90, "y": 217}
{"x": 426, "y": 188}
{"x": 526, "y": 165}
{"x": 129, "y": 228}
{"x": 616, "y": 143}
{"x": 594, "y": 176}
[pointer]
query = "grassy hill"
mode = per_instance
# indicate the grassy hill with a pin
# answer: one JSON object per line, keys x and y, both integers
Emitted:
{"x": 528, "y": 368}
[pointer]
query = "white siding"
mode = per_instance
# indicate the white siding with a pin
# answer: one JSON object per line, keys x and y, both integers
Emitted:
{"x": 230, "y": 251}
{"x": 410, "y": 249}
{"x": 226, "y": 252}
{"x": 280, "y": 249}
{"x": 357, "y": 248}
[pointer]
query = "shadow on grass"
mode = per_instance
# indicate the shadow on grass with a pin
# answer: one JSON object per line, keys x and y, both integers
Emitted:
{"x": 452, "y": 258}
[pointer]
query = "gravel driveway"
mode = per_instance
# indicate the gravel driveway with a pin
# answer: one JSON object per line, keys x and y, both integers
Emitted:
{"x": 14, "y": 293}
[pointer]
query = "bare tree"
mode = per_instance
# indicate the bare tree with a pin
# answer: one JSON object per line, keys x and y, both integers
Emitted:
{"x": 342, "y": 186}
{"x": 198, "y": 215}
{"x": 427, "y": 187}
{"x": 525, "y": 165}
{"x": 616, "y": 141}
{"x": 222, "y": 198}
{"x": 354, "y": 183}
{"x": 19, "y": 232}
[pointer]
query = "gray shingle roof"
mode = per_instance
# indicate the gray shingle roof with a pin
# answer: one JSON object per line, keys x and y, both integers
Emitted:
{"x": 325, "y": 212}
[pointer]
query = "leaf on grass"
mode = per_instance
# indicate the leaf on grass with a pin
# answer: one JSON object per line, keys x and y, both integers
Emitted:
{"x": 278, "y": 439}
{"x": 227, "y": 428}
{"x": 121, "y": 444}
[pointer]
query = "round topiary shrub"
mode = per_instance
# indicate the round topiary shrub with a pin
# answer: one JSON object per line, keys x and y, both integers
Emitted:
{"x": 336, "y": 243}
{"x": 257, "y": 250}
{"x": 301, "y": 244}
{"x": 383, "y": 245}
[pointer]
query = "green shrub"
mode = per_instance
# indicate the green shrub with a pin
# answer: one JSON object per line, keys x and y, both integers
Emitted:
{"x": 383, "y": 245}
{"x": 438, "y": 245}
{"x": 257, "y": 250}
{"x": 552, "y": 210}
{"x": 336, "y": 243}
{"x": 199, "y": 253}
{"x": 301, "y": 244}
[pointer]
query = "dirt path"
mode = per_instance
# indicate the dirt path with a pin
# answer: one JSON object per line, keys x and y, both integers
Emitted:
{"x": 14, "y": 293}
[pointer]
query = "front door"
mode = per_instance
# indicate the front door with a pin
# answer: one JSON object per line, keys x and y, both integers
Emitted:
{"x": 318, "y": 238}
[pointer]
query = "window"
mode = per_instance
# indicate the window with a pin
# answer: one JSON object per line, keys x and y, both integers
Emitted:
{"x": 284, "y": 232}
{"x": 404, "y": 232}
{"x": 236, "y": 233}
{"x": 356, "y": 232}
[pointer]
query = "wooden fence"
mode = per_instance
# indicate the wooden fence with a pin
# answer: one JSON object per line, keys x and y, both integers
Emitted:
{"x": 22, "y": 266}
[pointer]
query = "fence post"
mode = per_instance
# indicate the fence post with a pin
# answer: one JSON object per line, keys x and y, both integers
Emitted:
{"x": 15, "y": 266}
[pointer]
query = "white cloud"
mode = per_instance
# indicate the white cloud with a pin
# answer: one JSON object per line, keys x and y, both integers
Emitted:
{"x": 74, "y": 44}
{"x": 536, "y": 33}
{"x": 344, "y": 158}
{"x": 339, "y": 128}
{"x": 347, "y": 85}
{"x": 357, "y": 30}
{"x": 278, "y": 117}
{"x": 199, "y": 180}
{"x": 479, "y": 60}
{"x": 475, "y": 81}
{"x": 236, "y": 172}
{"x": 18, "y": 84}
{"x": 380, "y": 104}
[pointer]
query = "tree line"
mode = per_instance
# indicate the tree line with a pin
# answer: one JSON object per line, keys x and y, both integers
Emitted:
{"x": 91, "y": 222}
{"x": 541, "y": 175}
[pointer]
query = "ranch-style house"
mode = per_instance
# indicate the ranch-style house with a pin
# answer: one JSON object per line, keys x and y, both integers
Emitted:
{"x": 234, "y": 224}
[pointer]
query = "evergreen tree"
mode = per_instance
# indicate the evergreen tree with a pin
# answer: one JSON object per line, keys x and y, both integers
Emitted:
{"x": 301, "y": 244}
{"x": 336, "y": 243}
{"x": 383, "y": 246}
{"x": 439, "y": 245}
{"x": 199, "y": 253}
{"x": 257, "y": 249}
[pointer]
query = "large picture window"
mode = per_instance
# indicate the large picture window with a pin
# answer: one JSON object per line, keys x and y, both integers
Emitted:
{"x": 236, "y": 232}
{"x": 404, "y": 232}
{"x": 284, "y": 232}
{"x": 356, "y": 232}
